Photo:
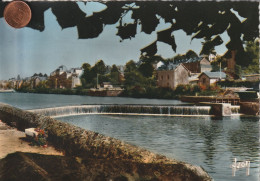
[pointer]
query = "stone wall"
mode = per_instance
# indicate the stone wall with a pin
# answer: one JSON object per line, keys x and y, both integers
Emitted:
{"x": 78, "y": 142}
{"x": 218, "y": 109}
{"x": 249, "y": 108}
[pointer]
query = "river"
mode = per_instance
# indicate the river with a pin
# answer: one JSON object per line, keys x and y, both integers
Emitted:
{"x": 206, "y": 141}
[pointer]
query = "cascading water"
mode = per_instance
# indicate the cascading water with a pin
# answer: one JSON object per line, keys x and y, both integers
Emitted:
{"x": 124, "y": 109}
{"x": 235, "y": 109}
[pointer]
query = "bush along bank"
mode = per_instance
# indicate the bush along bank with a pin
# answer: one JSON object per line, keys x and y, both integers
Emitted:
{"x": 77, "y": 142}
{"x": 167, "y": 93}
{"x": 151, "y": 92}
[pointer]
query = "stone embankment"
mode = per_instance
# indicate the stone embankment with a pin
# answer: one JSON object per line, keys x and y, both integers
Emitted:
{"x": 91, "y": 148}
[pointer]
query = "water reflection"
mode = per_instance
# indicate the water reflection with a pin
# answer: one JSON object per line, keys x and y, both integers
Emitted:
{"x": 203, "y": 141}
{"x": 244, "y": 138}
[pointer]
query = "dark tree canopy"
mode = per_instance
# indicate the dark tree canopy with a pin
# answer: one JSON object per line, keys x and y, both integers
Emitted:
{"x": 198, "y": 19}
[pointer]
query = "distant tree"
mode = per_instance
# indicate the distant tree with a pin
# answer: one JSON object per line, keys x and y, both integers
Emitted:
{"x": 115, "y": 75}
{"x": 216, "y": 63}
{"x": 134, "y": 78}
{"x": 208, "y": 46}
{"x": 191, "y": 54}
{"x": 114, "y": 68}
{"x": 87, "y": 76}
{"x": 178, "y": 57}
{"x": 130, "y": 66}
{"x": 40, "y": 74}
{"x": 86, "y": 66}
{"x": 99, "y": 68}
{"x": 146, "y": 69}
{"x": 151, "y": 59}
{"x": 252, "y": 57}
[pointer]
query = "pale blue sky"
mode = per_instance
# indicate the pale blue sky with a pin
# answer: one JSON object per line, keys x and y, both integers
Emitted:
{"x": 26, "y": 51}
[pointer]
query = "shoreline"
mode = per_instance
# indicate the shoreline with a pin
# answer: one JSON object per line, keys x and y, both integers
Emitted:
{"x": 13, "y": 141}
{"x": 84, "y": 144}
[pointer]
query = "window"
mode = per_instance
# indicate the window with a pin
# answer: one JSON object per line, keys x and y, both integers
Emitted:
{"x": 161, "y": 77}
{"x": 168, "y": 77}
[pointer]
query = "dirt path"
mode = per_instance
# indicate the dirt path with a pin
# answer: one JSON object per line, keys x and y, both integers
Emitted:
{"x": 10, "y": 142}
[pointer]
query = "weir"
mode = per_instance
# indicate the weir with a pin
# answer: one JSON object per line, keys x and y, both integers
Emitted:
{"x": 94, "y": 149}
{"x": 125, "y": 109}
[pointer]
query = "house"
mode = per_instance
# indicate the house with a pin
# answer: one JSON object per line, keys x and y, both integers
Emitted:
{"x": 37, "y": 80}
{"x": 193, "y": 78}
{"x": 60, "y": 70}
{"x": 172, "y": 75}
{"x": 75, "y": 81}
{"x": 64, "y": 78}
{"x": 198, "y": 65}
{"x": 208, "y": 78}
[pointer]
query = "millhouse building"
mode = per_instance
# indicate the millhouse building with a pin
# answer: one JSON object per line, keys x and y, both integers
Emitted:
{"x": 198, "y": 65}
{"x": 173, "y": 76}
{"x": 207, "y": 78}
{"x": 183, "y": 72}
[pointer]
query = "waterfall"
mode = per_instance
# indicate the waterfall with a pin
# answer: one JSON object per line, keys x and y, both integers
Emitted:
{"x": 124, "y": 109}
{"x": 235, "y": 109}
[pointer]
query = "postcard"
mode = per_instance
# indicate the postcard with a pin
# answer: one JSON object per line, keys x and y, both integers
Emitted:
{"x": 129, "y": 90}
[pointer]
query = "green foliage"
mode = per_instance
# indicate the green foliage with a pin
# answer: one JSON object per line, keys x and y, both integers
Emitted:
{"x": 134, "y": 78}
{"x": 208, "y": 46}
{"x": 151, "y": 59}
{"x": 238, "y": 83}
{"x": 200, "y": 19}
{"x": 115, "y": 78}
{"x": 248, "y": 95}
{"x": 130, "y": 66}
{"x": 114, "y": 69}
{"x": 146, "y": 69}
{"x": 252, "y": 57}
{"x": 179, "y": 57}
{"x": 40, "y": 139}
{"x": 238, "y": 70}
{"x": 99, "y": 68}
{"x": 191, "y": 54}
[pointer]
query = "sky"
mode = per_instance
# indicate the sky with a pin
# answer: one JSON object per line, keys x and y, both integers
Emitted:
{"x": 26, "y": 51}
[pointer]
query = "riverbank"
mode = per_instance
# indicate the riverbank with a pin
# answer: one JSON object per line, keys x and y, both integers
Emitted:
{"x": 148, "y": 93}
{"x": 6, "y": 90}
{"x": 13, "y": 140}
{"x": 137, "y": 163}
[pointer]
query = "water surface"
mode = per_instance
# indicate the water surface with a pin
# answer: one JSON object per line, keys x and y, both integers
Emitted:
{"x": 204, "y": 141}
{"x": 36, "y": 101}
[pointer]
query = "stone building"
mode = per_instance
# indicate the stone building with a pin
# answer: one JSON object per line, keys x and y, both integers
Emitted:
{"x": 36, "y": 80}
{"x": 208, "y": 78}
{"x": 173, "y": 76}
{"x": 198, "y": 65}
{"x": 64, "y": 78}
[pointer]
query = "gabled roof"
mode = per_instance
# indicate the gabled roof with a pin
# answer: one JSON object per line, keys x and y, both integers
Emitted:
{"x": 195, "y": 59}
{"x": 214, "y": 75}
{"x": 41, "y": 78}
{"x": 172, "y": 66}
